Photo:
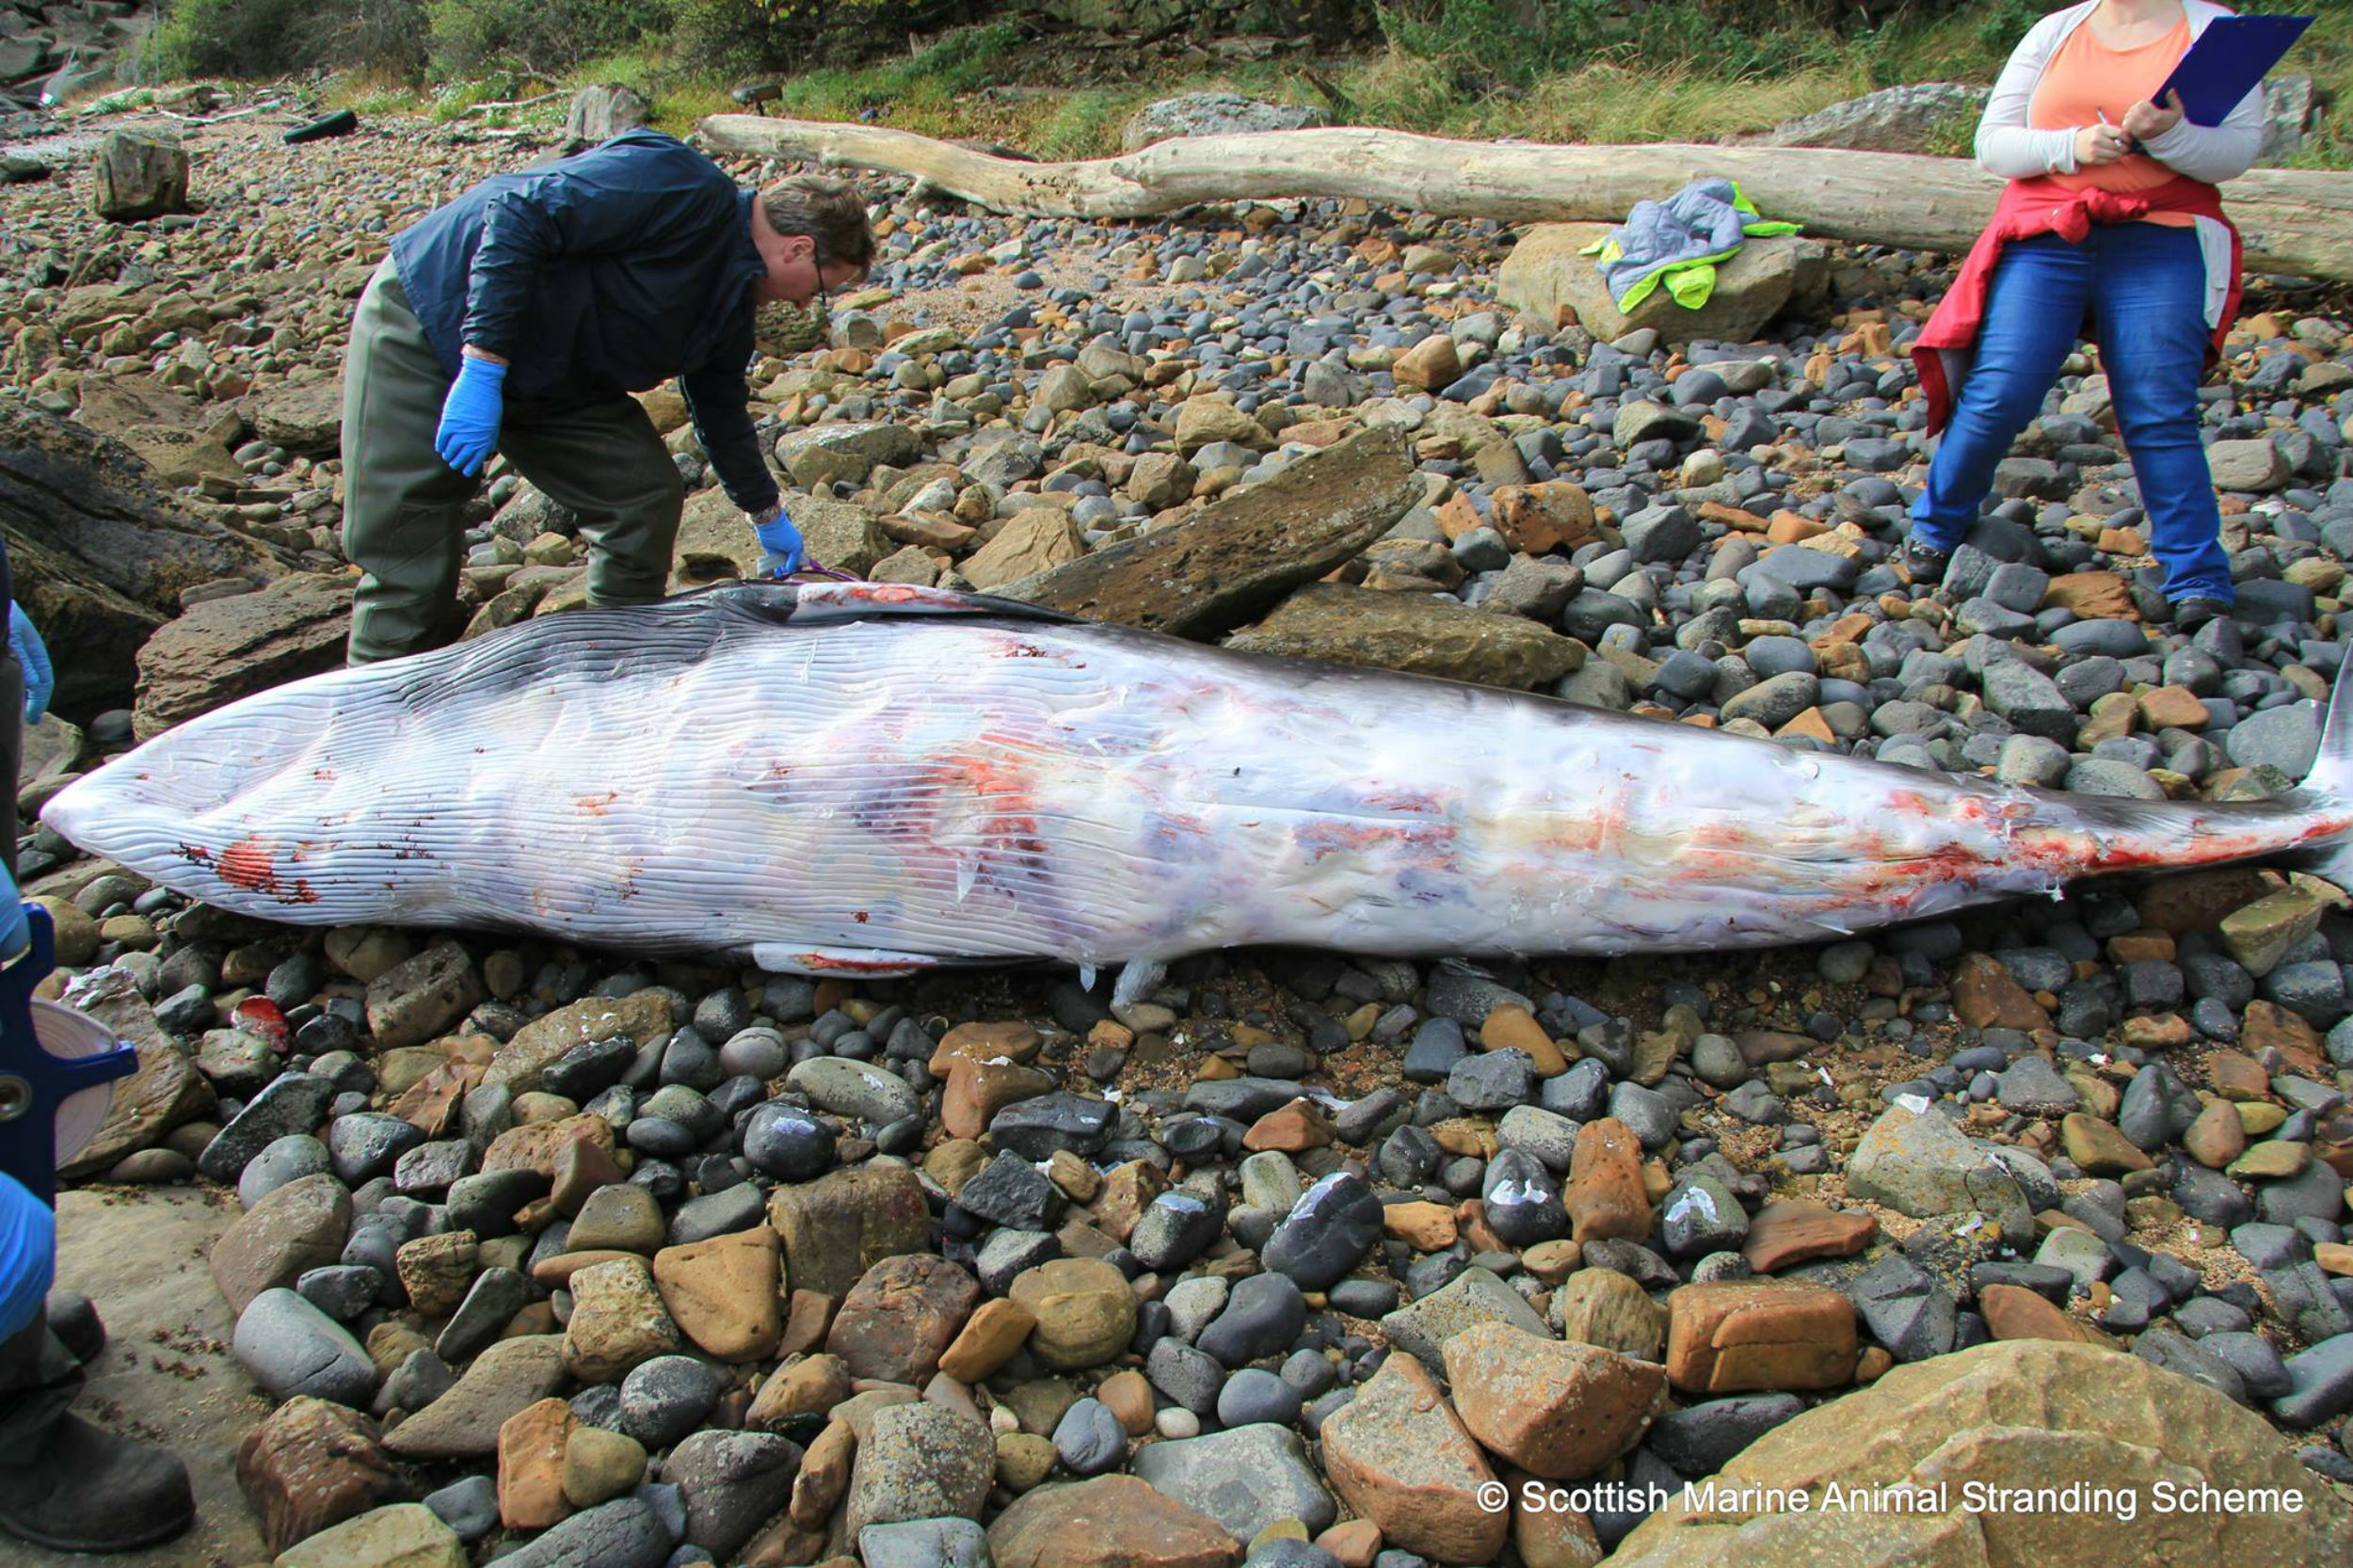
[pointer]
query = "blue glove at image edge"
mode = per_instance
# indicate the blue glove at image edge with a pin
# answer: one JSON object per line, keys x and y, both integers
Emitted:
{"x": 468, "y": 430}
{"x": 28, "y": 1255}
{"x": 32, "y": 656}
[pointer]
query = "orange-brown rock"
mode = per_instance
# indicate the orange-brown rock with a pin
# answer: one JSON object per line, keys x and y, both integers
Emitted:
{"x": 725, "y": 1294}
{"x": 1129, "y": 1396}
{"x": 1556, "y": 1409}
{"x": 1355, "y": 1542}
{"x": 1014, "y": 1041}
{"x": 2139, "y": 947}
{"x": 1605, "y": 1198}
{"x": 2237, "y": 1076}
{"x": 987, "y": 1341}
{"x": 582, "y": 1167}
{"x": 1732, "y": 1337}
{"x": 810, "y": 1386}
{"x": 1423, "y": 1227}
{"x": 978, "y": 1090}
{"x": 823, "y": 1476}
{"x": 2217, "y": 1136}
{"x": 902, "y": 1317}
{"x": 1550, "y": 1537}
{"x": 1788, "y": 1232}
{"x": 2014, "y": 1312}
{"x": 1110, "y": 1522}
{"x": 531, "y": 1465}
{"x": 535, "y": 1146}
{"x": 1985, "y": 997}
{"x": 617, "y": 1321}
{"x": 1811, "y": 725}
{"x": 842, "y": 1224}
{"x": 313, "y": 1464}
{"x": 1128, "y": 1191}
{"x": 437, "y": 1271}
{"x": 558, "y": 1271}
{"x": 2100, "y": 1147}
{"x": 430, "y": 1104}
{"x": 1555, "y": 515}
{"x": 2172, "y": 708}
{"x": 1398, "y": 1456}
{"x": 807, "y": 1319}
{"x": 1291, "y": 1129}
{"x": 1511, "y": 1027}
{"x": 2267, "y": 1025}
{"x": 2093, "y": 595}
{"x": 1604, "y": 1307}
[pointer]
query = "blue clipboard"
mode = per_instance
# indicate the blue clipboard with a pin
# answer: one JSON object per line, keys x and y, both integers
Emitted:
{"x": 2232, "y": 55}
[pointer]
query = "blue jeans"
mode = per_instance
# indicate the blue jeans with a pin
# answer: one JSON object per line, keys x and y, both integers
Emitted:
{"x": 2145, "y": 284}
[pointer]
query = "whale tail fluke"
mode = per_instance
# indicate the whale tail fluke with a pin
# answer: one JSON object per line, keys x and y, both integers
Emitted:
{"x": 2330, "y": 778}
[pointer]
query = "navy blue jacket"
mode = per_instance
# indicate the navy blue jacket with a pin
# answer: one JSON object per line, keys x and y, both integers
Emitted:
{"x": 606, "y": 273}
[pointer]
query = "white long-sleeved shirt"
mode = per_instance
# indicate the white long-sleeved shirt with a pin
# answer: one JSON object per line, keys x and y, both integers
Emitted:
{"x": 2009, "y": 147}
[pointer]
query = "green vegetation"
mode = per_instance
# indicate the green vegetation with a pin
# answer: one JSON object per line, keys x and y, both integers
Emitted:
{"x": 1590, "y": 70}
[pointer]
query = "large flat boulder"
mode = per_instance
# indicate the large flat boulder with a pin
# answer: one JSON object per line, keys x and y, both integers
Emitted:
{"x": 1419, "y": 633}
{"x": 1548, "y": 276}
{"x": 1917, "y": 117}
{"x": 1233, "y": 560}
{"x": 226, "y": 648}
{"x": 99, "y": 552}
{"x": 2020, "y": 1414}
{"x": 1212, "y": 114}
{"x": 303, "y": 416}
{"x": 187, "y": 442}
{"x": 166, "y": 1091}
{"x": 713, "y": 540}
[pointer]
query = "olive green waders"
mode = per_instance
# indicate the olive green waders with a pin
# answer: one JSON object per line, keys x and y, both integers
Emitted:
{"x": 403, "y": 506}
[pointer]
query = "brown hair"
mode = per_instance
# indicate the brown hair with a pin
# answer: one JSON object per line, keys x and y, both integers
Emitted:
{"x": 829, "y": 212}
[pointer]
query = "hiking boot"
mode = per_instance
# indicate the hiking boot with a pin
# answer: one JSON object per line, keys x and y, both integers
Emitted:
{"x": 1923, "y": 562}
{"x": 90, "y": 1491}
{"x": 2192, "y": 612}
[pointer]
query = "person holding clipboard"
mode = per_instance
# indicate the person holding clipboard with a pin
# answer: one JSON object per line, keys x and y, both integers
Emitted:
{"x": 2111, "y": 228}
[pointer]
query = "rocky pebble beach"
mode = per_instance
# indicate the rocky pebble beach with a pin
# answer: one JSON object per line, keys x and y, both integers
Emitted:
{"x": 571, "y": 1259}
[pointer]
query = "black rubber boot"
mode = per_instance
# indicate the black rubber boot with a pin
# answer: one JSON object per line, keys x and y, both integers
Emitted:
{"x": 93, "y": 1491}
{"x": 65, "y": 1485}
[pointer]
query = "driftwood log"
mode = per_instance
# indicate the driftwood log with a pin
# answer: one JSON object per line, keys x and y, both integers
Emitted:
{"x": 2293, "y": 220}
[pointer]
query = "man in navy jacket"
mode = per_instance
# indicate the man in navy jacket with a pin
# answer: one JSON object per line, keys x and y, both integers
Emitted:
{"x": 520, "y": 316}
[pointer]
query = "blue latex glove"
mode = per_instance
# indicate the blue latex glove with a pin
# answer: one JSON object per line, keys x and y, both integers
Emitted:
{"x": 469, "y": 416}
{"x": 32, "y": 654}
{"x": 28, "y": 1255}
{"x": 782, "y": 541}
{"x": 15, "y": 934}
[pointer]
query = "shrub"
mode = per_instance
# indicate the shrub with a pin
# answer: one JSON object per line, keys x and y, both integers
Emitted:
{"x": 733, "y": 37}
{"x": 542, "y": 36}
{"x": 265, "y": 38}
{"x": 737, "y": 35}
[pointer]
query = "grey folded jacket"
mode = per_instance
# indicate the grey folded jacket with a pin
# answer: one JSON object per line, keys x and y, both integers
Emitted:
{"x": 1697, "y": 221}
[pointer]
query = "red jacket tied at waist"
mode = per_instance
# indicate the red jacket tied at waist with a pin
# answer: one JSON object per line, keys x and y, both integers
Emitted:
{"x": 2044, "y": 206}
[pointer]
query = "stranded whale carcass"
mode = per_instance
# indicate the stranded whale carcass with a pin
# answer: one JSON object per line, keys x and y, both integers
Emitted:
{"x": 866, "y": 778}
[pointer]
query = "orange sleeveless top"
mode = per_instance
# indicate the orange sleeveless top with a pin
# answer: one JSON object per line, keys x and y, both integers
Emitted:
{"x": 2087, "y": 77}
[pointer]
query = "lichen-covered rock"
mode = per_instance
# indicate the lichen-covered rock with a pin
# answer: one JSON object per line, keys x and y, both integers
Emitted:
{"x": 2023, "y": 1413}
